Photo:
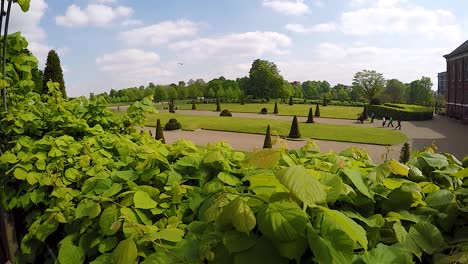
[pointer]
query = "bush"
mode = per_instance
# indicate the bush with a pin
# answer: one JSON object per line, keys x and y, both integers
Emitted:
{"x": 159, "y": 133}
{"x": 264, "y": 111}
{"x": 267, "y": 142}
{"x": 375, "y": 101}
{"x": 317, "y": 110}
{"x": 194, "y": 107}
{"x": 225, "y": 112}
{"x": 275, "y": 111}
{"x": 310, "y": 117}
{"x": 405, "y": 153}
{"x": 173, "y": 124}
{"x": 218, "y": 106}
{"x": 364, "y": 112}
{"x": 294, "y": 132}
{"x": 402, "y": 112}
{"x": 291, "y": 102}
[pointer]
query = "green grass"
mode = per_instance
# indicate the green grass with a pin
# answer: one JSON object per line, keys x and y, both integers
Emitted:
{"x": 346, "y": 133}
{"x": 330, "y": 111}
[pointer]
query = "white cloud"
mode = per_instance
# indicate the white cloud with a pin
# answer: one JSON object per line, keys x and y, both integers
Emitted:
{"x": 106, "y": 1}
{"x": 132, "y": 22}
{"x": 249, "y": 44}
{"x": 160, "y": 33}
{"x": 132, "y": 65}
{"x": 288, "y": 7}
{"x": 338, "y": 63}
{"x": 324, "y": 27}
{"x": 93, "y": 14}
{"x": 396, "y": 17}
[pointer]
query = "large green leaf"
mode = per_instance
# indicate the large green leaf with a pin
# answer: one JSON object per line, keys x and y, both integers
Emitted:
{"x": 351, "y": 228}
{"x": 239, "y": 214}
{"x": 264, "y": 158}
{"x": 125, "y": 252}
{"x": 24, "y": 4}
{"x": 356, "y": 178}
{"x": 228, "y": 179}
{"x": 302, "y": 185}
{"x": 427, "y": 237}
{"x": 168, "y": 234}
{"x": 336, "y": 247}
{"x": 293, "y": 249}
{"x": 8, "y": 157}
{"x": 236, "y": 241}
{"x": 262, "y": 252}
{"x": 69, "y": 253}
{"x": 384, "y": 254}
{"x": 143, "y": 200}
{"x": 87, "y": 208}
{"x": 398, "y": 168}
{"x": 282, "y": 221}
{"x": 107, "y": 219}
{"x": 439, "y": 199}
{"x": 434, "y": 160}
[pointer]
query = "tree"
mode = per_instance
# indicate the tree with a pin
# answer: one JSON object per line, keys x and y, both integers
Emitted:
{"x": 267, "y": 142}
{"x": 419, "y": 92}
{"x": 405, "y": 153}
{"x": 310, "y": 89}
{"x": 370, "y": 82}
{"x": 171, "y": 92}
{"x": 265, "y": 80}
{"x": 395, "y": 91}
{"x": 53, "y": 71}
{"x": 37, "y": 78}
{"x": 291, "y": 102}
{"x": 159, "y": 94}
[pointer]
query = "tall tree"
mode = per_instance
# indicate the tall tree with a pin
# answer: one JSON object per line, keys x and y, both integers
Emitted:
{"x": 37, "y": 76}
{"x": 160, "y": 94}
{"x": 395, "y": 91}
{"x": 265, "y": 80}
{"x": 53, "y": 71}
{"x": 370, "y": 82}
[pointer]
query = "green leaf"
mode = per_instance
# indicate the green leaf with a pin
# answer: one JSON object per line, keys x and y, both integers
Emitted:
{"x": 239, "y": 214}
{"x": 439, "y": 199}
{"x": 282, "y": 221}
{"x": 427, "y": 237}
{"x": 125, "y": 252}
{"x": 24, "y": 4}
{"x": 20, "y": 173}
{"x": 8, "y": 157}
{"x": 69, "y": 253}
{"x": 168, "y": 234}
{"x": 264, "y": 158}
{"x": 236, "y": 241}
{"x": 108, "y": 244}
{"x": 228, "y": 179}
{"x": 262, "y": 252}
{"x": 143, "y": 200}
{"x": 45, "y": 229}
{"x": 293, "y": 249}
{"x": 103, "y": 259}
{"x": 356, "y": 178}
{"x": 87, "y": 208}
{"x": 107, "y": 219}
{"x": 351, "y": 228}
{"x": 398, "y": 168}
{"x": 434, "y": 160}
{"x": 461, "y": 173}
{"x": 384, "y": 254}
{"x": 335, "y": 247}
{"x": 128, "y": 175}
{"x": 302, "y": 185}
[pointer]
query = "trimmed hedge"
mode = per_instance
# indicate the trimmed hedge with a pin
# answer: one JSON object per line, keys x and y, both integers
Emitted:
{"x": 173, "y": 124}
{"x": 225, "y": 112}
{"x": 401, "y": 111}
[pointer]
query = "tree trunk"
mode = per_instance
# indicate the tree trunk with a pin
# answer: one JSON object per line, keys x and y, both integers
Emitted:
{"x": 8, "y": 236}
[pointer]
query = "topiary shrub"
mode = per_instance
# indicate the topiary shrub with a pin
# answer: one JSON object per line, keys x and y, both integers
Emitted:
{"x": 317, "y": 110}
{"x": 173, "y": 124}
{"x": 194, "y": 107}
{"x": 159, "y": 133}
{"x": 218, "y": 106}
{"x": 225, "y": 112}
{"x": 404, "y": 112}
{"x": 267, "y": 142}
{"x": 294, "y": 132}
{"x": 364, "y": 112}
{"x": 310, "y": 117}
{"x": 325, "y": 101}
{"x": 264, "y": 111}
{"x": 291, "y": 102}
{"x": 375, "y": 101}
{"x": 405, "y": 153}
{"x": 275, "y": 111}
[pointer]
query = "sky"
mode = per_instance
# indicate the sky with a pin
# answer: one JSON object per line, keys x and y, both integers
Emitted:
{"x": 115, "y": 44}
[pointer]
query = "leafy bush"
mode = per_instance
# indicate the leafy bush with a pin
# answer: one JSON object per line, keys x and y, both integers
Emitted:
{"x": 225, "y": 112}
{"x": 194, "y": 106}
{"x": 405, "y": 153}
{"x": 404, "y": 112}
{"x": 291, "y": 102}
{"x": 172, "y": 124}
{"x": 264, "y": 111}
{"x": 375, "y": 101}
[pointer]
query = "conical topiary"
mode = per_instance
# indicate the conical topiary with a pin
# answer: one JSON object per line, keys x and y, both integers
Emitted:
{"x": 159, "y": 132}
{"x": 291, "y": 100}
{"x": 325, "y": 101}
{"x": 194, "y": 107}
{"x": 310, "y": 117}
{"x": 317, "y": 110}
{"x": 405, "y": 153}
{"x": 294, "y": 132}
{"x": 276, "y": 108}
{"x": 364, "y": 112}
{"x": 171, "y": 106}
{"x": 267, "y": 142}
{"x": 218, "y": 106}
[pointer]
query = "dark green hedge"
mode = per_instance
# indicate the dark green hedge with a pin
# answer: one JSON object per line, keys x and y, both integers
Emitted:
{"x": 400, "y": 112}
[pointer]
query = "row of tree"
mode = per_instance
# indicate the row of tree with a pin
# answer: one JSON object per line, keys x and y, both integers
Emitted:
{"x": 265, "y": 82}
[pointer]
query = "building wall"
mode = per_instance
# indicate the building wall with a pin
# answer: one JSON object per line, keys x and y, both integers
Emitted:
{"x": 457, "y": 87}
{"x": 442, "y": 83}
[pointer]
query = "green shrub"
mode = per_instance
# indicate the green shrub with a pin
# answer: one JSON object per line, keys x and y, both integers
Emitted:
{"x": 294, "y": 132}
{"x": 225, "y": 112}
{"x": 218, "y": 106}
{"x": 402, "y": 112}
{"x": 159, "y": 133}
{"x": 275, "y": 111}
{"x": 291, "y": 102}
{"x": 364, "y": 112}
{"x": 405, "y": 153}
{"x": 194, "y": 107}
{"x": 267, "y": 142}
{"x": 310, "y": 117}
{"x": 173, "y": 124}
{"x": 264, "y": 111}
{"x": 317, "y": 110}
{"x": 375, "y": 101}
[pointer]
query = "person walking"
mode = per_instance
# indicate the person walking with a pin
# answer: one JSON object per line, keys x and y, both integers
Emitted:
{"x": 399, "y": 124}
{"x": 372, "y": 117}
{"x": 383, "y": 121}
{"x": 390, "y": 122}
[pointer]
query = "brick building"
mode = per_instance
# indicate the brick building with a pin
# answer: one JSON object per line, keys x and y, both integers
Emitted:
{"x": 442, "y": 83}
{"x": 457, "y": 83}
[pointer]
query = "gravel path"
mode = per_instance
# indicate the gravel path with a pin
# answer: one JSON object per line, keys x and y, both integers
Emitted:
{"x": 448, "y": 134}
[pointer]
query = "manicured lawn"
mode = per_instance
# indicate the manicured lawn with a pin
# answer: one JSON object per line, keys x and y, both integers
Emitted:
{"x": 347, "y": 133}
{"x": 330, "y": 111}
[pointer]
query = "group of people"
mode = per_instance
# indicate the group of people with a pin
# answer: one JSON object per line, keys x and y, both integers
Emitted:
{"x": 390, "y": 121}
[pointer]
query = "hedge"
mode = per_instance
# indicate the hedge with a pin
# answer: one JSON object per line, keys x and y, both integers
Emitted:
{"x": 400, "y": 111}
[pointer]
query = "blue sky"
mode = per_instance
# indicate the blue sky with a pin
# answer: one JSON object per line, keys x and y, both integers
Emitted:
{"x": 106, "y": 44}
